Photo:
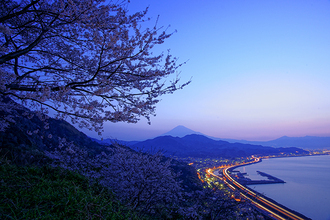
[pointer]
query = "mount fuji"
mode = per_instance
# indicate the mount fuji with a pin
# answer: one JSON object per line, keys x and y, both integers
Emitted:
{"x": 307, "y": 142}
{"x": 181, "y": 131}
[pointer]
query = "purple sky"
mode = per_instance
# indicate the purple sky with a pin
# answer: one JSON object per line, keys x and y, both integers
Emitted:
{"x": 260, "y": 69}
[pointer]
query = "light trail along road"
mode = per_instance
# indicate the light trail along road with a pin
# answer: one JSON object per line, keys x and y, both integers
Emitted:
{"x": 275, "y": 210}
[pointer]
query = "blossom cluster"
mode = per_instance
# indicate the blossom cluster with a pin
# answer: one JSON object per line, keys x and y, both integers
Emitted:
{"x": 84, "y": 60}
{"x": 147, "y": 184}
{"x": 144, "y": 182}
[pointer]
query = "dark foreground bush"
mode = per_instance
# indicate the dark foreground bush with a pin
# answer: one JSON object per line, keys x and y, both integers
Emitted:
{"x": 54, "y": 193}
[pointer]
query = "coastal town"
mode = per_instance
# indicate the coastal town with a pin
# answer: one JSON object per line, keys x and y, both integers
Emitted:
{"x": 221, "y": 174}
{"x": 202, "y": 165}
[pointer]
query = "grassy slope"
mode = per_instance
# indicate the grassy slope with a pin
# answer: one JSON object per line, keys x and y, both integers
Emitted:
{"x": 53, "y": 193}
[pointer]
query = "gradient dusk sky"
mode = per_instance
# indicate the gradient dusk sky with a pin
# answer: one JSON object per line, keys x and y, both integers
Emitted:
{"x": 260, "y": 69}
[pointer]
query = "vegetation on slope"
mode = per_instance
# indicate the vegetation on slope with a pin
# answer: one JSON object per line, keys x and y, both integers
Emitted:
{"x": 54, "y": 193}
{"x": 126, "y": 184}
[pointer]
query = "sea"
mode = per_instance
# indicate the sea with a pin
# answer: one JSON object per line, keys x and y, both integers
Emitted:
{"x": 307, "y": 183}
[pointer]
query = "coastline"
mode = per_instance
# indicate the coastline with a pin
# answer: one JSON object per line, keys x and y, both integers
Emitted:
{"x": 260, "y": 195}
{"x": 301, "y": 192}
{"x": 270, "y": 206}
{"x": 279, "y": 204}
{"x": 289, "y": 156}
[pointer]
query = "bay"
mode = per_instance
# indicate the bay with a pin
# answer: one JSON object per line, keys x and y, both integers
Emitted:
{"x": 307, "y": 187}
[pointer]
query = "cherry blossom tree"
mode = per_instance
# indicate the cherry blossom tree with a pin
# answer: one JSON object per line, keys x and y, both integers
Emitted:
{"x": 145, "y": 183}
{"x": 87, "y": 60}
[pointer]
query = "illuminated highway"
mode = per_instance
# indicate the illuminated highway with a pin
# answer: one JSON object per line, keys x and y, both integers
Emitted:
{"x": 275, "y": 210}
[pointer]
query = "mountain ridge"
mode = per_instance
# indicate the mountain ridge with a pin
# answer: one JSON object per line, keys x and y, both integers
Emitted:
{"x": 306, "y": 142}
{"x": 180, "y": 131}
{"x": 195, "y": 145}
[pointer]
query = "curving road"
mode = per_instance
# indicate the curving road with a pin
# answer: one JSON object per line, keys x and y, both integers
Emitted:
{"x": 274, "y": 210}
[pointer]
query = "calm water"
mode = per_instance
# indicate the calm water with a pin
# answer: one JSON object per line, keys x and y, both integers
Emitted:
{"x": 307, "y": 187}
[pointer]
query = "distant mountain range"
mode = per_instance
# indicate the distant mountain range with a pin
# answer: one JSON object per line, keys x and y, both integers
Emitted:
{"x": 181, "y": 131}
{"x": 195, "y": 145}
{"x": 308, "y": 142}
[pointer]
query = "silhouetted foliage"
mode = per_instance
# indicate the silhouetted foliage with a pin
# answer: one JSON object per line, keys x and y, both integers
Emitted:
{"x": 84, "y": 59}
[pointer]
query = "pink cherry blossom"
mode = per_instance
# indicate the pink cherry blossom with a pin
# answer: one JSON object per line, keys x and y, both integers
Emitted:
{"x": 84, "y": 60}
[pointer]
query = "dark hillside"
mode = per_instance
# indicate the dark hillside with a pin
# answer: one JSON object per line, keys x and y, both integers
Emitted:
{"x": 25, "y": 142}
{"x": 201, "y": 146}
{"x": 54, "y": 193}
{"x": 26, "y": 138}
{"x": 26, "y": 149}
